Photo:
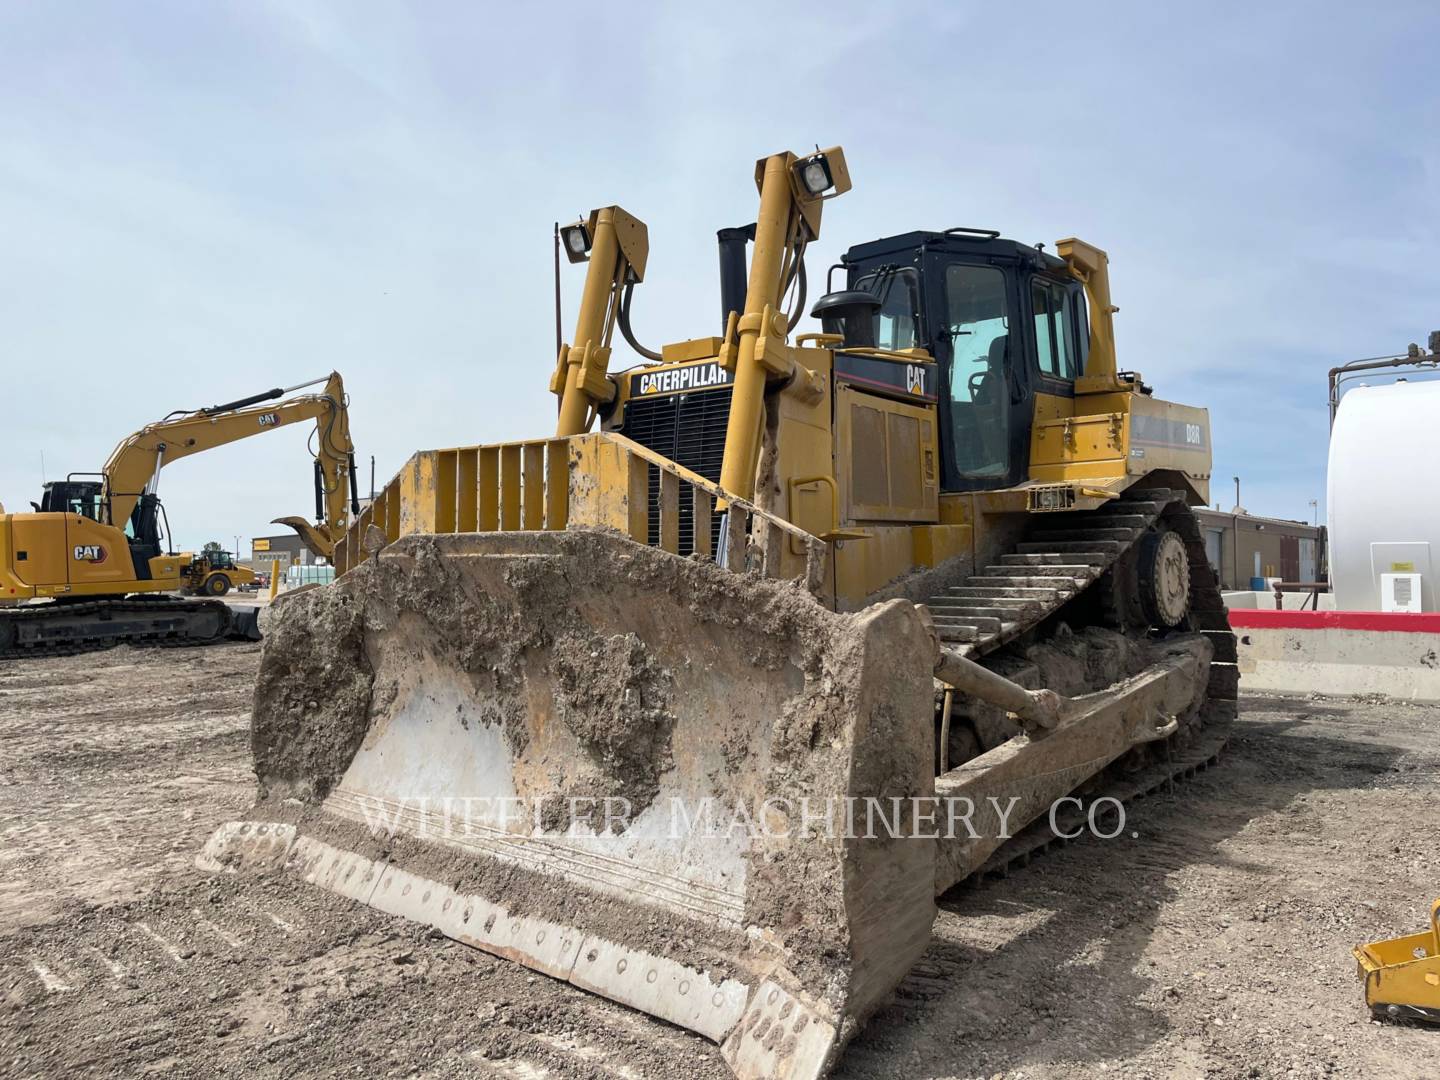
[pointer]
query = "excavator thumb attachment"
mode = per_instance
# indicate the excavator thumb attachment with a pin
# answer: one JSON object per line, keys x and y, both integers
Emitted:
{"x": 314, "y": 537}
{"x": 685, "y": 789}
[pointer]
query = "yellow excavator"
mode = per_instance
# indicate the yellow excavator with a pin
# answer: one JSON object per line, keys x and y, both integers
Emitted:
{"x": 700, "y": 703}
{"x": 91, "y": 566}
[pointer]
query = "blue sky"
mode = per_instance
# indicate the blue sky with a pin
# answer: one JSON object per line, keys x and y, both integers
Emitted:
{"x": 202, "y": 201}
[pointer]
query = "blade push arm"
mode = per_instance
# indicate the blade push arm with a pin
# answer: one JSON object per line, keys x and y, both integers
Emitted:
{"x": 134, "y": 466}
{"x": 792, "y": 192}
{"x": 616, "y": 245}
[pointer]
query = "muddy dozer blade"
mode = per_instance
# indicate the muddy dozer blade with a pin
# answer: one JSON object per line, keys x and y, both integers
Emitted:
{"x": 624, "y": 769}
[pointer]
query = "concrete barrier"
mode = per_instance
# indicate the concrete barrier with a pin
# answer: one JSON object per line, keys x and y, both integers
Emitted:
{"x": 1394, "y": 655}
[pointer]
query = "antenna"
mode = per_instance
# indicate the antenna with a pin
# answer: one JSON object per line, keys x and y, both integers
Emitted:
{"x": 559, "y": 333}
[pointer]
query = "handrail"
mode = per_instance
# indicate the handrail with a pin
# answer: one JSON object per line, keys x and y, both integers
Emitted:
{"x": 527, "y": 485}
{"x": 691, "y": 477}
{"x": 734, "y": 549}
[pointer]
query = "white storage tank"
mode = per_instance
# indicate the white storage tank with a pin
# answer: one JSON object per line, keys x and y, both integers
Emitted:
{"x": 1384, "y": 514}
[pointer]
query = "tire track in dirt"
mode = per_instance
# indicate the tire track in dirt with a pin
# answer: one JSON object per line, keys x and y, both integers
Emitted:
{"x": 1214, "y": 944}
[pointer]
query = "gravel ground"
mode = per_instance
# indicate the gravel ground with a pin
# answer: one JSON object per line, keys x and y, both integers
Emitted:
{"x": 1215, "y": 943}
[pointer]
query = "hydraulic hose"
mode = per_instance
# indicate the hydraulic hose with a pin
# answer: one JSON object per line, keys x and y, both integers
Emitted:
{"x": 625, "y": 330}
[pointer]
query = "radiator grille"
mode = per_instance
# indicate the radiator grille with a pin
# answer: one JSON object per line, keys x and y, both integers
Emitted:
{"x": 689, "y": 429}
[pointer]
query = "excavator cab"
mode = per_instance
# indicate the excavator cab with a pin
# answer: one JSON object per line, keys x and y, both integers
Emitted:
{"x": 1004, "y": 321}
{"x": 71, "y": 496}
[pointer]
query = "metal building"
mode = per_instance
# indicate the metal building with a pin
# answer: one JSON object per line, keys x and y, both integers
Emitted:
{"x": 1244, "y": 546}
{"x": 287, "y": 550}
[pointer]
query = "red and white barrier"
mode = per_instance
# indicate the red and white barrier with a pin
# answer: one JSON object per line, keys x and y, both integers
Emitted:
{"x": 1396, "y": 655}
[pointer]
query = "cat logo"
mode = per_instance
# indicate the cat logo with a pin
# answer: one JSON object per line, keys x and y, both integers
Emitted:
{"x": 680, "y": 379}
{"x": 269, "y": 419}
{"x": 91, "y": 553}
{"x": 915, "y": 379}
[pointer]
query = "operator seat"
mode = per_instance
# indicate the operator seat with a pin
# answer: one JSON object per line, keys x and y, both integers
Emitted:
{"x": 988, "y": 388}
{"x": 992, "y": 400}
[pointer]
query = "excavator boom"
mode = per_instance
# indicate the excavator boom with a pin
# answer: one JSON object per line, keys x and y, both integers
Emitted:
{"x": 133, "y": 468}
{"x": 94, "y": 551}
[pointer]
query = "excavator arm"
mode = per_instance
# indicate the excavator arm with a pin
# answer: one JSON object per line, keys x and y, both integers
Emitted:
{"x": 134, "y": 467}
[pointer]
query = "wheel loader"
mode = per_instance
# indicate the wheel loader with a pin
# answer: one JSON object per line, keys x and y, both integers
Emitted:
{"x": 700, "y": 703}
{"x": 91, "y": 567}
{"x": 215, "y": 573}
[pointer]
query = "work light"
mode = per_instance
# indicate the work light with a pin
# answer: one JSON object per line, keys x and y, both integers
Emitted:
{"x": 576, "y": 239}
{"x": 815, "y": 174}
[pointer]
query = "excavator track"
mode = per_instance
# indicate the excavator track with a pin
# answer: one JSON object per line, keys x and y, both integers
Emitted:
{"x": 66, "y": 629}
{"x": 1062, "y": 557}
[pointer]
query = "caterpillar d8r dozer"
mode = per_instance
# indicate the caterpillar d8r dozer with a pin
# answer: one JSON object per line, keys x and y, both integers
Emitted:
{"x": 701, "y": 710}
{"x": 92, "y": 567}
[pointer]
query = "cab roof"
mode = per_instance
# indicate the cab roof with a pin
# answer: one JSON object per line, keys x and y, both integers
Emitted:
{"x": 975, "y": 243}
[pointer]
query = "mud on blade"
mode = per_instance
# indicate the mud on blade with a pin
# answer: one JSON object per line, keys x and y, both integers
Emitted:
{"x": 586, "y": 755}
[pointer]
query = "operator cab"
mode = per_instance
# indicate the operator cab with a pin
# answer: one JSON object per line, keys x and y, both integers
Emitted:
{"x": 1004, "y": 321}
{"x": 81, "y": 497}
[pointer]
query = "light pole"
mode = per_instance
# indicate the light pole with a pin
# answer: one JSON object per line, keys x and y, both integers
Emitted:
{"x": 1315, "y": 512}
{"x": 1235, "y": 539}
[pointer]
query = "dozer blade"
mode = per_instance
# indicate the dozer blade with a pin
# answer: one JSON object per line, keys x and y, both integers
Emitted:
{"x": 695, "y": 792}
{"x": 615, "y": 766}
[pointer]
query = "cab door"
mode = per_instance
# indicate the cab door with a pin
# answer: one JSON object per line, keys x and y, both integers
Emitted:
{"x": 986, "y": 391}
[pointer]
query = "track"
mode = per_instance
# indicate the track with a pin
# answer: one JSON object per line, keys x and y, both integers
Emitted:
{"x": 61, "y": 629}
{"x": 1064, "y": 557}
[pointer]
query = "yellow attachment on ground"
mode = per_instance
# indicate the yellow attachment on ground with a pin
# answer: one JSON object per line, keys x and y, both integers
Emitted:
{"x": 1402, "y": 975}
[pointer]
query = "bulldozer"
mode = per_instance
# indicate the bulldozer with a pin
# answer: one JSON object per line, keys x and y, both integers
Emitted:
{"x": 91, "y": 566}
{"x": 701, "y": 702}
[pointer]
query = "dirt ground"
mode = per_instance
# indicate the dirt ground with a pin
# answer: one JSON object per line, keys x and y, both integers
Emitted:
{"x": 1215, "y": 943}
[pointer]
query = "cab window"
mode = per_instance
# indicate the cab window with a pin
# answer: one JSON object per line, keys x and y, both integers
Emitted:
{"x": 1054, "y": 329}
{"x": 897, "y": 323}
{"x": 977, "y": 324}
{"x": 979, "y": 330}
